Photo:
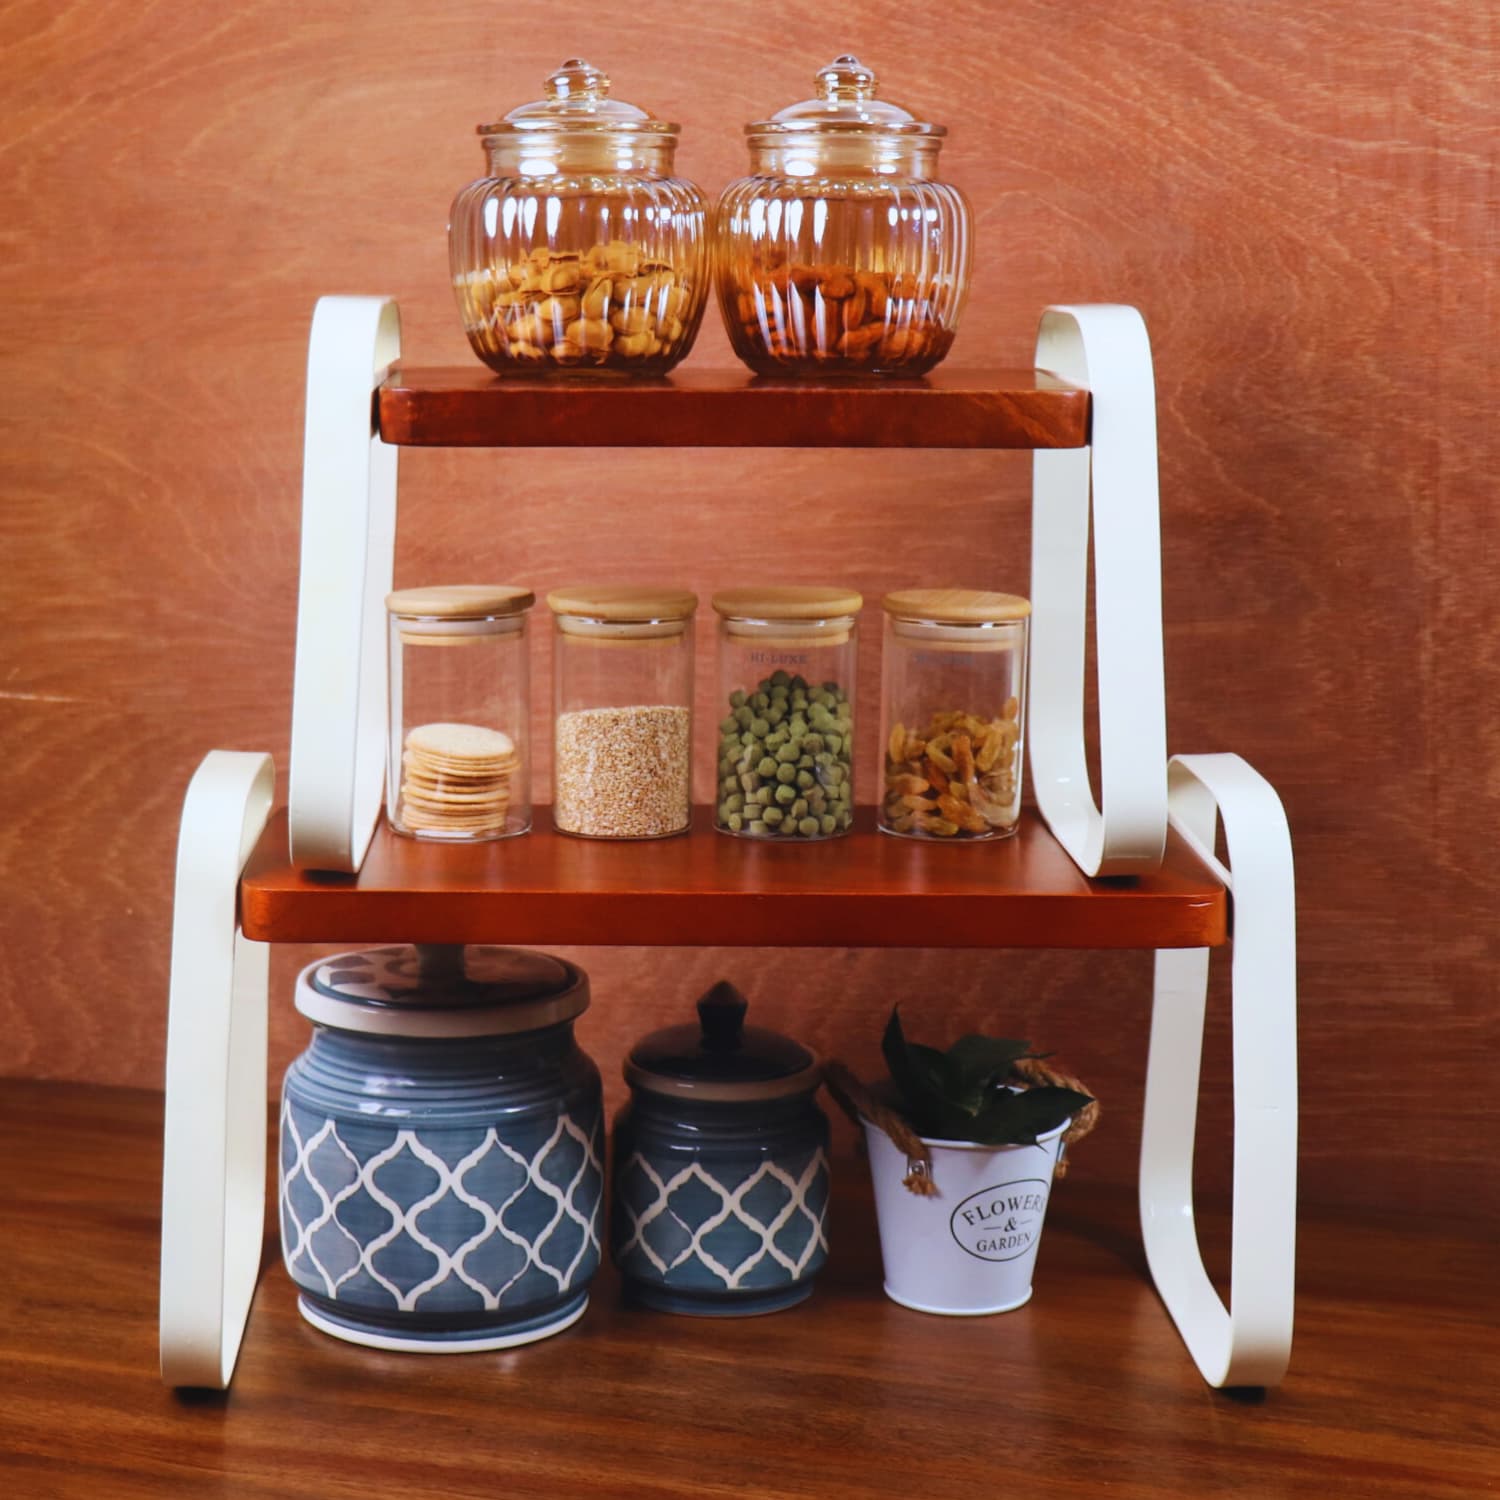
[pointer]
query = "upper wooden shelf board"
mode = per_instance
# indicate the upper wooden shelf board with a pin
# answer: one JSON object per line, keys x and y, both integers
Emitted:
{"x": 708, "y": 890}
{"x": 469, "y": 407}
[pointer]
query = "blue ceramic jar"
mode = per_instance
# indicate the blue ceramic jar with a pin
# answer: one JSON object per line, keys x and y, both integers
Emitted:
{"x": 441, "y": 1165}
{"x": 720, "y": 1187}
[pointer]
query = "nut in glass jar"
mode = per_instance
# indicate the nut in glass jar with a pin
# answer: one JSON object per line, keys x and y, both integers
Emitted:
{"x": 579, "y": 251}
{"x": 841, "y": 253}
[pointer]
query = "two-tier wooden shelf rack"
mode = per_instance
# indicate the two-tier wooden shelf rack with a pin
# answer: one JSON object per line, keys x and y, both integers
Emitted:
{"x": 1135, "y": 869}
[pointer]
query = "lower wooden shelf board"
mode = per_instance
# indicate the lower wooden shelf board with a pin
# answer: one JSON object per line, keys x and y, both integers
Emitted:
{"x": 705, "y": 889}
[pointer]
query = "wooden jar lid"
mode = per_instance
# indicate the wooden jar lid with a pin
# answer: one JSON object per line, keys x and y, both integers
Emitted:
{"x": 460, "y": 601}
{"x": 956, "y": 606}
{"x": 623, "y": 603}
{"x": 787, "y": 602}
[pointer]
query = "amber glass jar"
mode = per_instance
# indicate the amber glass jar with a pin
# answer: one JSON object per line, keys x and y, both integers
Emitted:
{"x": 580, "y": 251}
{"x": 842, "y": 253}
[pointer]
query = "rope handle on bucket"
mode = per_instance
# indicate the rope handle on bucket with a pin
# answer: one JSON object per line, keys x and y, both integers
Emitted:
{"x": 860, "y": 1103}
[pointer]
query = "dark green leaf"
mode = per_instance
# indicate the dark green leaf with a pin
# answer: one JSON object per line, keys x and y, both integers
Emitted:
{"x": 916, "y": 1071}
{"x": 978, "y": 1063}
{"x": 1018, "y": 1118}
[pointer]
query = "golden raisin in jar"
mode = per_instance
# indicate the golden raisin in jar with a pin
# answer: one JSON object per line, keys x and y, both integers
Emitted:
{"x": 953, "y": 713}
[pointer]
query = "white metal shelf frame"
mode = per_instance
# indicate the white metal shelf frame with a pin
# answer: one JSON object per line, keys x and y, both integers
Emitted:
{"x": 1102, "y": 498}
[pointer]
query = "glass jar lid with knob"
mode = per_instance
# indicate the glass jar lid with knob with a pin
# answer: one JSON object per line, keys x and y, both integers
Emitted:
{"x": 847, "y": 124}
{"x": 577, "y": 126}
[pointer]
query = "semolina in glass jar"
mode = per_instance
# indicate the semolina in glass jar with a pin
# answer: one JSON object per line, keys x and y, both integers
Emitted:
{"x": 841, "y": 253}
{"x": 580, "y": 251}
{"x": 622, "y": 680}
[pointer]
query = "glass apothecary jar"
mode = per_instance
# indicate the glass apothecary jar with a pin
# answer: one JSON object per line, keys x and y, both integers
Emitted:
{"x": 457, "y": 766}
{"x": 953, "y": 701}
{"x": 785, "y": 766}
{"x": 579, "y": 250}
{"x": 842, "y": 253}
{"x": 623, "y": 711}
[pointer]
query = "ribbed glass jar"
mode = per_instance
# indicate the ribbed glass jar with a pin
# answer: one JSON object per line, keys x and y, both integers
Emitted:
{"x": 580, "y": 251}
{"x": 841, "y": 253}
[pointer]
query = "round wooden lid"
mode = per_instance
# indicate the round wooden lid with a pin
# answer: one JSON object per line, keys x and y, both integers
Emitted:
{"x": 623, "y": 602}
{"x": 460, "y": 601}
{"x": 787, "y": 602}
{"x": 956, "y": 606}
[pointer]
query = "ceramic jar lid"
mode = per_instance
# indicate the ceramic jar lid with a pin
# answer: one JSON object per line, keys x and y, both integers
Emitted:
{"x": 442, "y": 990}
{"x": 721, "y": 1060}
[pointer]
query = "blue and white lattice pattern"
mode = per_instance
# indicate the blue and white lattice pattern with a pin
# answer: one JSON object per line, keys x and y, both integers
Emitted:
{"x": 459, "y": 1222}
{"x": 686, "y": 1228}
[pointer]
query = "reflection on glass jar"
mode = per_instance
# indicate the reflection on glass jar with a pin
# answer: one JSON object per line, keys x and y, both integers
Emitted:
{"x": 841, "y": 253}
{"x": 579, "y": 251}
{"x": 953, "y": 711}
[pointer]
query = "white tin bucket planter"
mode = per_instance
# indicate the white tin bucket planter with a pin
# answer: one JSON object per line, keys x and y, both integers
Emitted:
{"x": 968, "y": 1249}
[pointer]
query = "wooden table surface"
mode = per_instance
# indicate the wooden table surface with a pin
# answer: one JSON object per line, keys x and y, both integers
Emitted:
{"x": 1084, "y": 1392}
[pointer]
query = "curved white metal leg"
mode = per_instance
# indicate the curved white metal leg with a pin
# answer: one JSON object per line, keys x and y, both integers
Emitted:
{"x": 1106, "y": 349}
{"x": 214, "y": 1142}
{"x": 1250, "y": 1342}
{"x": 348, "y": 548}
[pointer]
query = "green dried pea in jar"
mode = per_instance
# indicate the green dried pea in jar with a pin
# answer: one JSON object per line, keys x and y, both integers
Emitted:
{"x": 784, "y": 762}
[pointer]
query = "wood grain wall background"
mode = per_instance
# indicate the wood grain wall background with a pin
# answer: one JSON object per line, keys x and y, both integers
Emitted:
{"x": 1301, "y": 198}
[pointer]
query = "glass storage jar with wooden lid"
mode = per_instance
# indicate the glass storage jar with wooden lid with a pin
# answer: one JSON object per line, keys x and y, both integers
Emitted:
{"x": 785, "y": 763}
{"x": 622, "y": 695}
{"x": 579, "y": 251}
{"x": 953, "y": 693}
{"x": 841, "y": 253}
{"x": 460, "y": 702}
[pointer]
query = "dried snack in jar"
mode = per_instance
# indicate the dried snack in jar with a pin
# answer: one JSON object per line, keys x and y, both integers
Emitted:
{"x": 785, "y": 760}
{"x": 836, "y": 316}
{"x": 608, "y": 307}
{"x": 958, "y": 776}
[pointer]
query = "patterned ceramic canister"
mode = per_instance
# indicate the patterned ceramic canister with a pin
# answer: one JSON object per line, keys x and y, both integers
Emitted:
{"x": 442, "y": 1149}
{"x": 720, "y": 1189}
